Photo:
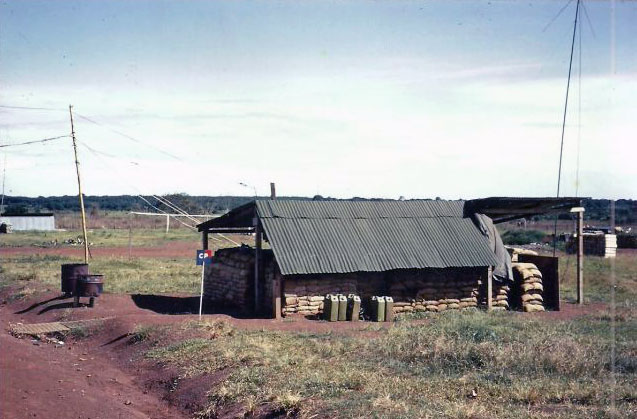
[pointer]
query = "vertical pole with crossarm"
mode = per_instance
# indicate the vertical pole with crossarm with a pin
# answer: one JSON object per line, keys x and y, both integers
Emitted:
{"x": 79, "y": 186}
{"x": 580, "y": 257}
{"x": 580, "y": 253}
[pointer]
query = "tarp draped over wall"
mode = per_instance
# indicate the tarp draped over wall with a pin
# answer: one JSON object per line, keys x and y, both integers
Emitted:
{"x": 503, "y": 269}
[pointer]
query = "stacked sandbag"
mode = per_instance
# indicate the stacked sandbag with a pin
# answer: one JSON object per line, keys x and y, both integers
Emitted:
{"x": 434, "y": 294}
{"x": 529, "y": 280}
{"x": 499, "y": 296}
{"x": 303, "y": 304}
{"x": 306, "y": 296}
{"x": 515, "y": 251}
{"x": 500, "y": 299}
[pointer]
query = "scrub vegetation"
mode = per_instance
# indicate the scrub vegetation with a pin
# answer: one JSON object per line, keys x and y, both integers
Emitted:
{"x": 460, "y": 364}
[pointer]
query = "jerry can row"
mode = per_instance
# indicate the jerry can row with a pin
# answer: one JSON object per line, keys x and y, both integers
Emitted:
{"x": 338, "y": 307}
{"x": 381, "y": 309}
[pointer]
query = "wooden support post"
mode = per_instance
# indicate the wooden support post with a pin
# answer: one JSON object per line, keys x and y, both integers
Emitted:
{"x": 130, "y": 235}
{"x": 167, "y": 223}
{"x": 204, "y": 240}
{"x": 272, "y": 190}
{"x": 489, "y": 288}
{"x": 257, "y": 265}
{"x": 612, "y": 216}
{"x": 580, "y": 257}
{"x": 276, "y": 297}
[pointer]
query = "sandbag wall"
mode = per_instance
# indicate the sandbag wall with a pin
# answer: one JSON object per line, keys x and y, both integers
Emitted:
{"x": 434, "y": 289}
{"x": 228, "y": 279}
{"x": 528, "y": 281}
{"x": 412, "y": 290}
{"x": 499, "y": 295}
{"x": 305, "y": 295}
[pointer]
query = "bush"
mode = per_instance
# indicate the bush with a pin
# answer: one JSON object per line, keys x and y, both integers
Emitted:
{"x": 523, "y": 236}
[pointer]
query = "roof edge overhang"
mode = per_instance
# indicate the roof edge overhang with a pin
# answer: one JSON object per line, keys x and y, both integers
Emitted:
{"x": 499, "y": 209}
{"x": 240, "y": 217}
{"x": 502, "y": 209}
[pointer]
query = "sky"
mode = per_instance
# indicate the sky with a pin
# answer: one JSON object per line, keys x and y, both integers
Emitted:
{"x": 420, "y": 99}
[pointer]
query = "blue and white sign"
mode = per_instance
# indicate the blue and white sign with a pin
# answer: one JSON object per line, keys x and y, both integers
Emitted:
{"x": 204, "y": 257}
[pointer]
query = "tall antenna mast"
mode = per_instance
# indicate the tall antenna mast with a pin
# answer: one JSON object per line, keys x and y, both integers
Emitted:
{"x": 568, "y": 85}
{"x": 79, "y": 186}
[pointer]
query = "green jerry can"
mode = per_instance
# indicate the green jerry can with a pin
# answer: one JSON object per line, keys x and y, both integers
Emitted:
{"x": 378, "y": 309}
{"x": 330, "y": 308}
{"x": 389, "y": 309}
{"x": 353, "y": 307}
{"x": 342, "y": 308}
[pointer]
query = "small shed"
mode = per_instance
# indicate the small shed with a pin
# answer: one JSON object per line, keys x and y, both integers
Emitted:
{"x": 29, "y": 221}
{"x": 427, "y": 255}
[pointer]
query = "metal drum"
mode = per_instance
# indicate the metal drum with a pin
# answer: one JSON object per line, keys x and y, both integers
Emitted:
{"x": 90, "y": 285}
{"x": 71, "y": 272}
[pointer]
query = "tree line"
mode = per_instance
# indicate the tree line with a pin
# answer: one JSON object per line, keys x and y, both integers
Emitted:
{"x": 596, "y": 209}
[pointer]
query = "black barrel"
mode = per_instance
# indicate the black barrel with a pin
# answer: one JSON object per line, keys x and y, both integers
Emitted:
{"x": 71, "y": 272}
{"x": 90, "y": 285}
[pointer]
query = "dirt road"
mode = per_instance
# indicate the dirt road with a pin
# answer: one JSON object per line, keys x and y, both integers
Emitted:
{"x": 43, "y": 380}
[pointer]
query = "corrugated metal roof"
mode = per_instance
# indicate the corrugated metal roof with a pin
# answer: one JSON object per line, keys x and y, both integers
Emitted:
{"x": 359, "y": 209}
{"x": 310, "y": 237}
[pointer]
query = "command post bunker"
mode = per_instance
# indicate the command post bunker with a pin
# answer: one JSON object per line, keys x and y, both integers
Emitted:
{"x": 427, "y": 255}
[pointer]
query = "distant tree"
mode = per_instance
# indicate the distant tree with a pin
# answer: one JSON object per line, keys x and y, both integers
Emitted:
{"x": 16, "y": 209}
{"x": 182, "y": 201}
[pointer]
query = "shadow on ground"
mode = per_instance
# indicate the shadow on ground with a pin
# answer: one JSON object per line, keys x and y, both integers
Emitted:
{"x": 61, "y": 306}
{"x": 166, "y": 304}
{"x": 40, "y": 303}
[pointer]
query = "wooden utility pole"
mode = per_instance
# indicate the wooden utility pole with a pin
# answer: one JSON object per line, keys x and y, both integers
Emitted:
{"x": 612, "y": 216}
{"x": 257, "y": 265}
{"x": 580, "y": 257}
{"x": 79, "y": 186}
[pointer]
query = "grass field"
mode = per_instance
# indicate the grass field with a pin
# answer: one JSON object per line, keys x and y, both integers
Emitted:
{"x": 98, "y": 237}
{"x": 428, "y": 366}
{"x": 122, "y": 275}
{"x": 517, "y": 366}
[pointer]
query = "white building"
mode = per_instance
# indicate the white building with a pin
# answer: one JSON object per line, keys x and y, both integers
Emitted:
{"x": 22, "y": 222}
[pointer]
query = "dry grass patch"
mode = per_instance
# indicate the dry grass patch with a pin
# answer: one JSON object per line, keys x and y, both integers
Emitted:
{"x": 517, "y": 367}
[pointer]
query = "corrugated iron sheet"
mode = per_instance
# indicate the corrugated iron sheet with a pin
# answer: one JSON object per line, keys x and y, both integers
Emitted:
{"x": 359, "y": 209}
{"x": 310, "y": 237}
{"x": 38, "y": 328}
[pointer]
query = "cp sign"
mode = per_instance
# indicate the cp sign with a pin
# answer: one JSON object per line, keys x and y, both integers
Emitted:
{"x": 204, "y": 257}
